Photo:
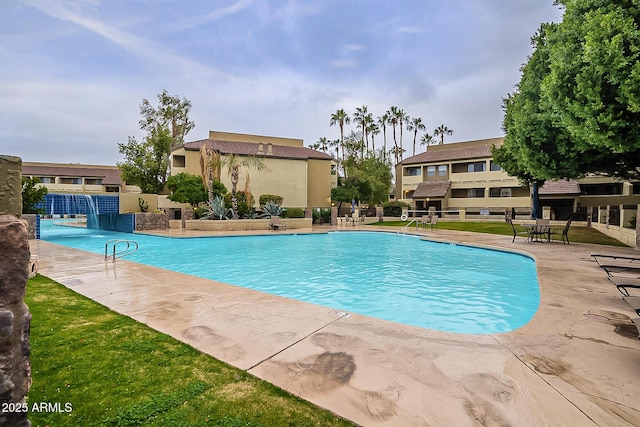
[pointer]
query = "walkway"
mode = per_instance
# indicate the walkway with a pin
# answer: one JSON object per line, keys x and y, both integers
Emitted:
{"x": 576, "y": 363}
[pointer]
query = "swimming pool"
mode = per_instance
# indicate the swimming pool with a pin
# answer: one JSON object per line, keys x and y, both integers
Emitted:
{"x": 390, "y": 276}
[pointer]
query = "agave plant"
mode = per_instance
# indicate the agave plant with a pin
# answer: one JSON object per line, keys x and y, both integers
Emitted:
{"x": 271, "y": 209}
{"x": 217, "y": 209}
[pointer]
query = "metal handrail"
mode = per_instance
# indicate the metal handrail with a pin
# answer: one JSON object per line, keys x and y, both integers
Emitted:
{"x": 126, "y": 251}
{"x": 407, "y": 226}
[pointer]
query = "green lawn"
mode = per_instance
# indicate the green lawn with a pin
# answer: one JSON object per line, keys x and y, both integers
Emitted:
{"x": 114, "y": 371}
{"x": 577, "y": 234}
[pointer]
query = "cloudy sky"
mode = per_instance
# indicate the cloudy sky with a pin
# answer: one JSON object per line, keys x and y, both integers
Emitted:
{"x": 73, "y": 73}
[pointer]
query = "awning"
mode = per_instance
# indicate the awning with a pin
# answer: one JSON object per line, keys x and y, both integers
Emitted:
{"x": 432, "y": 189}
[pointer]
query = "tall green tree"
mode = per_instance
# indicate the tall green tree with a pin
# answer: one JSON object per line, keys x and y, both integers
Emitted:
{"x": 32, "y": 195}
{"x": 594, "y": 82}
{"x": 172, "y": 113}
{"x": 146, "y": 163}
{"x": 582, "y": 84}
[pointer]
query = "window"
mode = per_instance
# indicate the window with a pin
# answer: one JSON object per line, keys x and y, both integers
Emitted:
{"x": 112, "y": 189}
{"x": 431, "y": 171}
{"x": 93, "y": 181}
{"x": 500, "y": 192}
{"x": 412, "y": 171}
{"x": 333, "y": 169}
{"x": 476, "y": 167}
{"x": 442, "y": 170}
{"x": 75, "y": 181}
{"x": 179, "y": 161}
{"x": 495, "y": 167}
{"x": 475, "y": 193}
{"x": 46, "y": 179}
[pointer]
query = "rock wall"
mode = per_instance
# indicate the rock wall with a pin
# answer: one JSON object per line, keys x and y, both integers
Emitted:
{"x": 15, "y": 319}
{"x": 152, "y": 221}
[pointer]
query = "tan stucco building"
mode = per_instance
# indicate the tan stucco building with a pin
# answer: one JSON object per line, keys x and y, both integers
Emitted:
{"x": 302, "y": 176}
{"x": 463, "y": 177}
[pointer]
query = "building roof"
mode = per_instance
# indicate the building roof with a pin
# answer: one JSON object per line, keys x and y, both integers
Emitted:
{"x": 457, "y": 151}
{"x": 560, "y": 187}
{"x": 110, "y": 175}
{"x": 435, "y": 189}
{"x": 253, "y": 149}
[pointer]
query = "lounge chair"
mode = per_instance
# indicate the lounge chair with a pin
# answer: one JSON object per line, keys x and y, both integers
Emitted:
{"x": 517, "y": 233}
{"x": 627, "y": 258}
{"x": 623, "y": 284}
{"x": 634, "y": 302}
{"x": 636, "y": 321}
{"x": 277, "y": 224}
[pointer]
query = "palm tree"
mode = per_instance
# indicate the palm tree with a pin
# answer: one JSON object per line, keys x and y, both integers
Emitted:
{"x": 415, "y": 125}
{"x": 374, "y": 130}
{"x": 393, "y": 121}
{"x": 321, "y": 144}
{"x": 402, "y": 118}
{"x": 441, "y": 131}
{"x": 360, "y": 117}
{"x": 382, "y": 122}
{"x": 211, "y": 163}
{"x": 427, "y": 140}
{"x": 341, "y": 118}
{"x": 234, "y": 164}
{"x": 209, "y": 169}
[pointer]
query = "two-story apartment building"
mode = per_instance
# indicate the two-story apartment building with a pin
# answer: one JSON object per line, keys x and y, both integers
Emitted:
{"x": 78, "y": 178}
{"x": 302, "y": 176}
{"x": 463, "y": 176}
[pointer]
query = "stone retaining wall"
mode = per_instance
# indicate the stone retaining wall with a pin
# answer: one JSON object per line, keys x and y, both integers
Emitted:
{"x": 245, "y": 224}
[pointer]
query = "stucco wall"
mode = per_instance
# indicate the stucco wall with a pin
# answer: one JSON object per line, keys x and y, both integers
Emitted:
{"x": 319, "y": 183}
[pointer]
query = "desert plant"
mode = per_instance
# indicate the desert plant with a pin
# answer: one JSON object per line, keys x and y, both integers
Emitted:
{"x": 217, "y": 210}
{"x": 143, "y": 205}
{"x": 271, "y": 209}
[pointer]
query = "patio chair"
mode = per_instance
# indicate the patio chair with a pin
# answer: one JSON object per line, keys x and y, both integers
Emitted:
{"x": 565, "y": 231}
{"x": 517, "y": 233}
{"x": 277, "y": 224}
{"x": 424, "y": 222}
{"x": 434, "y": 221}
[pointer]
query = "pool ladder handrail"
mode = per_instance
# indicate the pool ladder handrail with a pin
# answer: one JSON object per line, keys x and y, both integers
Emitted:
{"x": 124, "y": 252}
{"x": 415, "y": 220}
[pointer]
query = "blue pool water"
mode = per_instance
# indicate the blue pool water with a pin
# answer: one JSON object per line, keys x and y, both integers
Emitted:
{"x": 385, "y": 275}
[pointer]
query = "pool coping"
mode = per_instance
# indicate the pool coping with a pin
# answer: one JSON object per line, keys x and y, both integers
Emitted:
{"x": 558, "y": 369}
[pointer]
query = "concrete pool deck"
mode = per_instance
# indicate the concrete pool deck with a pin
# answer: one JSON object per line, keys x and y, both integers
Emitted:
{"x": 576, "y": 363}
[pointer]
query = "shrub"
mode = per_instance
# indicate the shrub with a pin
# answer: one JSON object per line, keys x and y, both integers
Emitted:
{"x": 294, "y": 213}
{"x": 266, "y": 198}
{"x": 394, "y": 208}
